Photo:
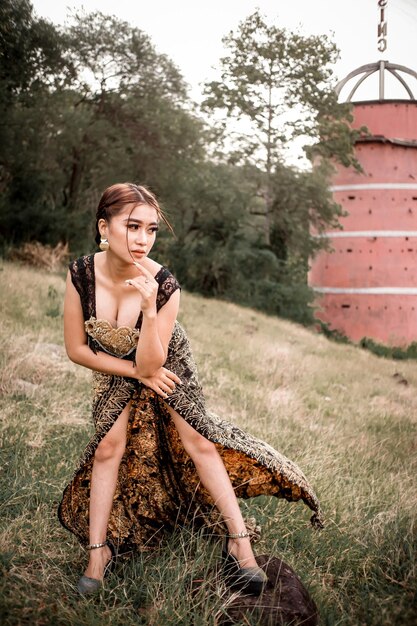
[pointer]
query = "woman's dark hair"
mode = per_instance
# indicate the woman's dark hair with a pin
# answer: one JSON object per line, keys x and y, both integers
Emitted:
{"x": 116, "y": 197}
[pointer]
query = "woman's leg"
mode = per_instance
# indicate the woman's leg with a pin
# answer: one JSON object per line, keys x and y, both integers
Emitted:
{"x": 214, "y": 477}
{"x": 106, "y": 463}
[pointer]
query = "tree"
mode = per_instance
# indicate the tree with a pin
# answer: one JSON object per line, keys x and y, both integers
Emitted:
{"x": 276, "y": 85}
{"x": 302, "y": 203}
{"x": 115, "y": 63}
{"x": 31, "y": 53}
{"x": 104, "y": 107}
{"x": 32, "y": 67}
{"x": 96, "y": 104}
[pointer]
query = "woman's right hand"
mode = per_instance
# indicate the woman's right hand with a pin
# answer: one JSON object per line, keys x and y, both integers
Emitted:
{"x": 163, "y": 382}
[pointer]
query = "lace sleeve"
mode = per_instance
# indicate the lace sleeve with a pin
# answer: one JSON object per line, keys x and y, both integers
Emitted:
{"x": 82, "y": 276}
{"x": 168, "y": 284}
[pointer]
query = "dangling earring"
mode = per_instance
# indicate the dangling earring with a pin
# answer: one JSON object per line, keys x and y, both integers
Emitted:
{"x": 104, "y": 244}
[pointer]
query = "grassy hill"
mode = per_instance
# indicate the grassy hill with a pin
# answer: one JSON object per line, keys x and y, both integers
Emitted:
{"x": 347, "y": 417}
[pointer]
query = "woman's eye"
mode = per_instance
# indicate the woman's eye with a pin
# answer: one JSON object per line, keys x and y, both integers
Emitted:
{"x": 136, "y": 227}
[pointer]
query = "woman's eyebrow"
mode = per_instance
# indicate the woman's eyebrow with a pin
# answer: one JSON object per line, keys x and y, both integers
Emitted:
{"x": 135, "y": 221}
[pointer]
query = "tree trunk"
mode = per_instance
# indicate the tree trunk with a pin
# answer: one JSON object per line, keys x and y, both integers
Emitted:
{"x": 75, "y": 180}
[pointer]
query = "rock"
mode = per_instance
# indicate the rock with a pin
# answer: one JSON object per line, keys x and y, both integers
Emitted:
{"x": 284, "y": 600}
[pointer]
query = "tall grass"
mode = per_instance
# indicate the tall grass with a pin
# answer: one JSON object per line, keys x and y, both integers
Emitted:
{"x": 342, "y": 413}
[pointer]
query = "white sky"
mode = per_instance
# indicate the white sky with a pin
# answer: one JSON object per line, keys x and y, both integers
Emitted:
{"x": 190, "y": 31}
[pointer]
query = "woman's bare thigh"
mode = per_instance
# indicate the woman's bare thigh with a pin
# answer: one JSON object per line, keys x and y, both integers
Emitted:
{"x": 117, "y": 433}
{"x": 191, "y": 439}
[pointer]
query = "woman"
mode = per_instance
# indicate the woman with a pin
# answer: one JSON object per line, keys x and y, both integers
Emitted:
{"x": 157, "y": 458}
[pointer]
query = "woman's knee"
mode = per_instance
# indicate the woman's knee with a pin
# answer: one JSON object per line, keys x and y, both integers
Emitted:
{"x": 198, "y": 446}
{"x": 110, "y": 448}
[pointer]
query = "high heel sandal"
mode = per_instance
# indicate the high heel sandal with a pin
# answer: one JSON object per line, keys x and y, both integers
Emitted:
{"x": 248, "y": 579}
{"x": 87, "y": 585}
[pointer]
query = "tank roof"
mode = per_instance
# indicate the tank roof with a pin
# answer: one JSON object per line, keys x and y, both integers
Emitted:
{"x": 365, "y": 71}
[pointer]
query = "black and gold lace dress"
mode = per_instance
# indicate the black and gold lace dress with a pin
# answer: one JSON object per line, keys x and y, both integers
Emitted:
{"x": 158, "y": 487}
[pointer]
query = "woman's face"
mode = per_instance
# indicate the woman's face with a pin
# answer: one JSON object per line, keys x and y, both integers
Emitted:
{"x": 131, "y": 233}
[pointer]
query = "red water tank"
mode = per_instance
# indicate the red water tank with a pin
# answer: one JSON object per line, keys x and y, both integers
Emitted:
{"x": 367, "y": 286}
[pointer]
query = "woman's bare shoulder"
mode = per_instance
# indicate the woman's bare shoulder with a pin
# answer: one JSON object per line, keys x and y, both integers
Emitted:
{"x": 152, "y": 266}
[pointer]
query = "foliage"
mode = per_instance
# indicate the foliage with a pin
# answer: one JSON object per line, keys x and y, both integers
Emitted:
{"x": 276, "y": 85}
{"x": 31, "y": 54}
{"x": 390, "y": 352}
{"x": 94, "y": 103}
{"x": 219, "y": 251}
{"x": 119, "y": 115}
{"x": 127, "y": 95}
{"x": 32, "y": 68}
{"x": 268, "y": 74}
{"x": 303, "y": 209}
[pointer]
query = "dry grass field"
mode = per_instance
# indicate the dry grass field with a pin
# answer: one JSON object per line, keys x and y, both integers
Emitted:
{"x": 347, "y": 417}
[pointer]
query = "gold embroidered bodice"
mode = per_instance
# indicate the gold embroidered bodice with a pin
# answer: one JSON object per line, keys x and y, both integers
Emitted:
{"x": 120, "y": 341}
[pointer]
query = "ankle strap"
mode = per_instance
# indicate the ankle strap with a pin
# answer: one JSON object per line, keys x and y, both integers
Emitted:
{"x": 241, "y": 535}
{"x": 93, "y": 546}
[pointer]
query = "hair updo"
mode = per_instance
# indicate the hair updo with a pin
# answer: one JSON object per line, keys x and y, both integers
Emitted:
{"x": 116, "y": 197}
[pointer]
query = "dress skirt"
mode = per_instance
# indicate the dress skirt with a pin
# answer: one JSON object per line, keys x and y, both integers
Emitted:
{"x": 158, "y": 488}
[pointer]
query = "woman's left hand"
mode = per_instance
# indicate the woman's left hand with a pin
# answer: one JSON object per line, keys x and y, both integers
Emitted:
{"x": 147, "y": 286}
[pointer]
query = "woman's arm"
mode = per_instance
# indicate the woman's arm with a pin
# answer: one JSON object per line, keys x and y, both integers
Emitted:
{"x": 162, "y": 381}
{"x": 155, "y": 335}
{"x": 156, "y": 330}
